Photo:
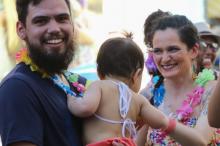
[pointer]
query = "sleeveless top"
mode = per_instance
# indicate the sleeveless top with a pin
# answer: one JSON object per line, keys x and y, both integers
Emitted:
{"x": 124, "y": 104}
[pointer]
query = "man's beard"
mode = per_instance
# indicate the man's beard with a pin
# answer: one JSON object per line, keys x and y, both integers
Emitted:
{"x": 54, "y": 62}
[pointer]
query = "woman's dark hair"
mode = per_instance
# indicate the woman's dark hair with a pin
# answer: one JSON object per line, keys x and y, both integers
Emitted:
{"x": 148, "y": 31}
{"x": 186, "y": 30}
{"x": 119, "y": 57}
{"x": 22, "y": 8}
{"x": 150, "y": 22}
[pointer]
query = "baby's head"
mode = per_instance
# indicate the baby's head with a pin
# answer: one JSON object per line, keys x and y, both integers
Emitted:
{"x": 121, "y": 58}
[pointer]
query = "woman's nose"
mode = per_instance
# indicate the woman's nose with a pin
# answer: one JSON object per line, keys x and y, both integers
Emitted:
{"x": 165, "y": 56}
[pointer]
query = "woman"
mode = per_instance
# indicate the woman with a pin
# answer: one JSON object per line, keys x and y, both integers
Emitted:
{"x": 175, "y": 46}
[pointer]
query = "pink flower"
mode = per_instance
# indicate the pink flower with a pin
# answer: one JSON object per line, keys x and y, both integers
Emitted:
{"x": 79, "y": 87}
{"x": 185, "y": 111}
{"x": 192, "y": 100}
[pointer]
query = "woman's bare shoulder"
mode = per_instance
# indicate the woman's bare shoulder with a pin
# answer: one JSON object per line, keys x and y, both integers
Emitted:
{"x": 146, "y": 92}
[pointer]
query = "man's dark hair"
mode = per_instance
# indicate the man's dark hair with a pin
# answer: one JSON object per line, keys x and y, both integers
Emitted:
{"x": 22, "y": 8}
{"x": 119, "y": 57}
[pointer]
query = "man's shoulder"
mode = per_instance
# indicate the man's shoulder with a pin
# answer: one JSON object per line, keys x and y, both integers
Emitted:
{"x": 16, "y": 86}
{"x": 20, "y": 73}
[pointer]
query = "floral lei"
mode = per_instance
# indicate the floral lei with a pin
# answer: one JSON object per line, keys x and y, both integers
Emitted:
{"x": 76, "y": 88}
{"x": 185, "y": 112}
{"x": 150, "y": 64}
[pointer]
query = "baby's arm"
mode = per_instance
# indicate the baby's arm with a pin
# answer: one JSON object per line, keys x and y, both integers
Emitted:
{"x": 151, "y": 115}
{"x": 88, "y": 104}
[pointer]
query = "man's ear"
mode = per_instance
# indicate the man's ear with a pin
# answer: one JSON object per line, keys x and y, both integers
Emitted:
{"x": 21, "y": 30}
{"x": 136, "y": 74}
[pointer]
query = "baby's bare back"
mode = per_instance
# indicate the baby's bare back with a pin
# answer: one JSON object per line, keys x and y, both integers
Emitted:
{"x": 96, "y": 129}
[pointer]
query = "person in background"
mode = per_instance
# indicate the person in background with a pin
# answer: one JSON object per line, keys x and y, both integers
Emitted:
{"x": 152, "y": 70}
{"x": 175, "y": 45}
{"x": 33, "y": 102}
{"x": 149, "y": 63}
{"x": 149, "y": 24}
{"x": 209, "y": 45}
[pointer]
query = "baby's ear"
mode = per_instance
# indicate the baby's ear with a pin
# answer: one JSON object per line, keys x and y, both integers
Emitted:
{"x": 140, "y": 71}
{"x": 136, "y": 74}
{"x": 101, "y": 76}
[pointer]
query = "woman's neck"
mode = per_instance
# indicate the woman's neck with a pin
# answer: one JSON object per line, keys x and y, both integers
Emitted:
{"x": 179, "y": 82}
{"x": 179, "y": 86}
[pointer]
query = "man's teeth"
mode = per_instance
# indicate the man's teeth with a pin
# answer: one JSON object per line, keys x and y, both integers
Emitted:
{"x": 54, "y": 41}
{"x": 207, "y": 59}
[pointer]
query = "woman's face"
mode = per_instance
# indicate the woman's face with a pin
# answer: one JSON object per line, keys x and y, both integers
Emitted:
{"x": 172, "y": 57}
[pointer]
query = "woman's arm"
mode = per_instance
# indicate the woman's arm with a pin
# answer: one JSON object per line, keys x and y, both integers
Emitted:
{"x": 214, "y": 107}
{"x": 88, "y": 104}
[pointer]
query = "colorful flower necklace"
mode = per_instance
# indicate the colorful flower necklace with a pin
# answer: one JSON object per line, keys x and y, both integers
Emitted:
{"x": 22, "y": 56}
{"x": 185, "y": 112}
{"x": 77, "y": 83}
{"x": 78, "y": 89}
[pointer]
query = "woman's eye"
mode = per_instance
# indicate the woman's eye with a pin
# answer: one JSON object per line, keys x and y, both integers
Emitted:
{"x": 173, "y": 49}
{"x": 157, "y": 51}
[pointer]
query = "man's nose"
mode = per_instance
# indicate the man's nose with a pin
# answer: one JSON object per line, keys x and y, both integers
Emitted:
{"x": 53, "y": 27}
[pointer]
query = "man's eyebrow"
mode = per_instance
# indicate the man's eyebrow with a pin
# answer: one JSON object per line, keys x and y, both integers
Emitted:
{"x": 48, "y": 17}
{"x": 63, "y": 14}
{"x": 40, "y": 17}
